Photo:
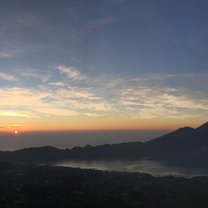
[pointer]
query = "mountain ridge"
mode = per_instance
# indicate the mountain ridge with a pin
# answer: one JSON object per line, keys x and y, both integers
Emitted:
{"x": 203, "y": 127}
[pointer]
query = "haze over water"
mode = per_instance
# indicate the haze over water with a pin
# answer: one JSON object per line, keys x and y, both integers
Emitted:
{"x": 142, "y": 166}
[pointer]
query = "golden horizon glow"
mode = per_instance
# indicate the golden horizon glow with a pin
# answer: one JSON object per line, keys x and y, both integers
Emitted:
{"x": 99, "y": 125}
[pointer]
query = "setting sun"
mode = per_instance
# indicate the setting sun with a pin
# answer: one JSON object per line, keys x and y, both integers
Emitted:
{"x": 16, "y": 132}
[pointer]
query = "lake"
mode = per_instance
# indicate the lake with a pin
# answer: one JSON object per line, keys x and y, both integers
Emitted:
{"x": 143, "y": 166}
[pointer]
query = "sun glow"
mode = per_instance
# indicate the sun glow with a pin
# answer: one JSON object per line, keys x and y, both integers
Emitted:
{"x": 16, "y": 132}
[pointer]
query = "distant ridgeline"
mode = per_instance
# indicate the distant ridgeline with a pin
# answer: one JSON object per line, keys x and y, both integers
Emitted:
{"x": 185, "y": 146}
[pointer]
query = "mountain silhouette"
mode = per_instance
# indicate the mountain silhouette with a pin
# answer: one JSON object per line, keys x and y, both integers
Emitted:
{"x": 183, "y": 146}
{"x": 203, "y": 128}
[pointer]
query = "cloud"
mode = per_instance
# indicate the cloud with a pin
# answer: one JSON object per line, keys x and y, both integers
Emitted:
{"x": 7, "y": 77}
{"x": 22, "y": 102}
{"x": 4, "y": 55}
{"x": 137, "y": 97}
{"x": 95, "y": 106}
{"x": 105, "y": 96}
{"x": 14, "y": 114}
{"x": 57, "y": 84}
{"x": 33, "y": 73}
{"x": 71, "y": 73}
{"x": 40, "y": 102}
{"x": 39, "y": 113}
{"x": 9, "y": 53}
{"x": 157, "y": 77}
{"x": 68, "y": 93}
{"x": 162, "y": 77}
{"x": 152, "y": 102}
{"x": 15, "y": 125}
{"x": 96, "y": 115}
{"x": 60, "y": 112}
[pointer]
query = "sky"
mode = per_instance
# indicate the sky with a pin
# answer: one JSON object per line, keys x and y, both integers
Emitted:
{"x": 98, "y": 65}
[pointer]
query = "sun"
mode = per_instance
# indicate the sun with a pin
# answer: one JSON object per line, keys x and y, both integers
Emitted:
{"x": 16, "y": 132}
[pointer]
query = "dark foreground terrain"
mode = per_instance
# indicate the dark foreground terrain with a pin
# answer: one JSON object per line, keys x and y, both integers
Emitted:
{"x": 31, "y": 186}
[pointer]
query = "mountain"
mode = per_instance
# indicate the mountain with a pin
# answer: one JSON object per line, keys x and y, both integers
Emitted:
{"x": 33, "y": 154}
{"x": 203, "y": 128}
{"x": 183, "y": 146}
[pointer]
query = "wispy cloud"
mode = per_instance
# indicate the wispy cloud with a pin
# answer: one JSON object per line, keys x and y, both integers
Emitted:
{"x": 102, "y": 106}
{"x": 104, "y": 97}
{"x": 76, "y": 93}
{"x": 4, "y": 55}
{"x": 71, "y": 73}
{"x": 151, "y": 102}
{"x": 14, "y": 114}
{"x": 57, "y": 84}
{"x": 155, "y": 77}
{"x": 162, "y": 77}
{"x": 10, "y": 53}
{"x": 97, "y": 115}
{"x": 33, "y": 73}
{"x": 8, "y": 77}
{"x": 21, "y": 102}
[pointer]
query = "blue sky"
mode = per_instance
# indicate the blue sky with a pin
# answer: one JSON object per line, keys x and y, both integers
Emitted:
{"x": 103, "y": 61}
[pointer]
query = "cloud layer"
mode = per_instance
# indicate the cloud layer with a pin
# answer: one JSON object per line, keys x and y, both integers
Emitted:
{"x": 101, "y": 97}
